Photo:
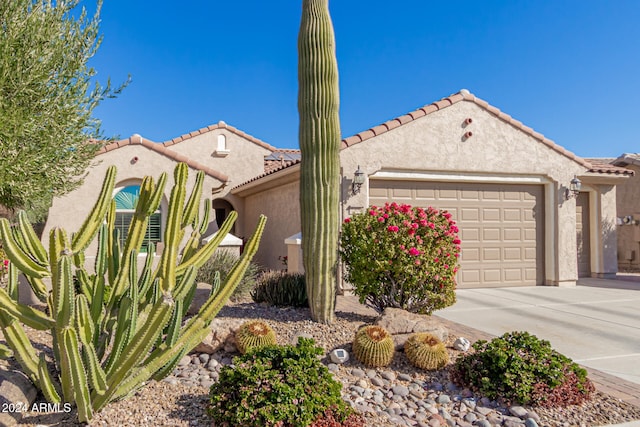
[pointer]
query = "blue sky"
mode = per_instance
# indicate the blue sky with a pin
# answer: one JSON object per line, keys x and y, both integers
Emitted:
{"x": 566, "y": 68}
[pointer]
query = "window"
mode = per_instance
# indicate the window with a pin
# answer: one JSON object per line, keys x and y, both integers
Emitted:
{"x": 221, "y": 149}
{"x": 126, "y": 201}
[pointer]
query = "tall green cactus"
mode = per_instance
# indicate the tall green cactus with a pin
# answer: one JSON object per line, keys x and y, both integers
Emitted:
{"x": 319, "y": 134}
{"x": 113, "y": 329}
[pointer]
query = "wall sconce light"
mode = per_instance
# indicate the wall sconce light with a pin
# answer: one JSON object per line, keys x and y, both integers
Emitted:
{"x": 358, "y": 180}
{"x": 574, "y": 188}
{"x": 134, "y": 160}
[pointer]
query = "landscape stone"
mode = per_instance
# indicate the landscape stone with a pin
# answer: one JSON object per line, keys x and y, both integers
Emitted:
{"x": 294, "y": 339}
{"x": 401, "y": 324}
{"x": 462, "y": 344}
{"x": 222, "y": 336}
{"x": 15, "y": 389}
{"x": 518, "y": 411}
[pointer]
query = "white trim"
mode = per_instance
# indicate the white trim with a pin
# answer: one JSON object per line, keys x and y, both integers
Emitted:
{"x": 459, "y": 177}
{"x": 550, "y": 232}
{"x": 595, "y": 231}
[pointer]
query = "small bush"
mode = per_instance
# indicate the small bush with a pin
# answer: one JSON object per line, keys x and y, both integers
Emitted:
{"x": 223, "y": 261}
{"x": 281, "y": 289}
{"x": 522, "y": 368}
{"x": 276, "y": 386}
{"x": 403, "y": 257}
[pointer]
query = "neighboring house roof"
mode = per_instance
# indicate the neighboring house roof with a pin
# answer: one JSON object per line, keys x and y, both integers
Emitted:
{"x": 162, "y": 149}
{"x": 280, "y": 159}
{"x": 627, "y": 159}
{"x": 609, "y": 165}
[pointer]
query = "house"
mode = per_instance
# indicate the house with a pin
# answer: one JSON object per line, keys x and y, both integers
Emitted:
{"x": 512, "y": 191}
{"x": 628, "y": 208}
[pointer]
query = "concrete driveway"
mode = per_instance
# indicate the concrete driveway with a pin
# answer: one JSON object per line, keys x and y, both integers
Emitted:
{"x": 596, "y": 323}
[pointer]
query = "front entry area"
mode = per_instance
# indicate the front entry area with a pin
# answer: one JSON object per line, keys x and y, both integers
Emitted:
{"x": 501, "y": 226}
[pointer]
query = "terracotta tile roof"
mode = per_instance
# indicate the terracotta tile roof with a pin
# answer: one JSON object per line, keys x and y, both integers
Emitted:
{"x": 162, "y": 149}
{"x": 271, "y": 171}
{"x": 604, "y": 165}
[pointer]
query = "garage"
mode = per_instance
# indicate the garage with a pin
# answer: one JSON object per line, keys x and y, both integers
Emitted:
{"x": 501, "y": 226}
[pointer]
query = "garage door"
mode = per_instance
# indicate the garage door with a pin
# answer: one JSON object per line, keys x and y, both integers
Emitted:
{"x": 501, "y": 226}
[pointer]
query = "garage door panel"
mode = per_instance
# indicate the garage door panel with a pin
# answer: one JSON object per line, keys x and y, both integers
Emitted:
{"x": 491, "y": 214}
{"x": 501, "y": 226}
{"x": 468, "y": 214}
{"x": 470, "y": 235}
{"x": 512, "y": 214}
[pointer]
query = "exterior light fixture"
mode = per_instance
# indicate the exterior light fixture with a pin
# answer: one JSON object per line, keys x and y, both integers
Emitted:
{"x": 358, "y": 180}
{"x": 574, "y": 188}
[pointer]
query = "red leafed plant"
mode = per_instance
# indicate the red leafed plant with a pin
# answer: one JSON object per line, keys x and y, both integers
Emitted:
{"x": 572, "y": 391}
{"x": 328, "y": 419}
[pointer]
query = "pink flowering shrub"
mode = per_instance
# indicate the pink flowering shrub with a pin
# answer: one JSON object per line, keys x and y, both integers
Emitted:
{"x": 401, "y": 256}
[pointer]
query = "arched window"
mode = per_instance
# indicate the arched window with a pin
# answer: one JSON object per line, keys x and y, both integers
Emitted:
{"x": 126, "y": 200}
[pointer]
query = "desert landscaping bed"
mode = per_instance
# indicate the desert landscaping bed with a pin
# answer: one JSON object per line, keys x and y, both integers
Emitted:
{"x": 397, "y": 395}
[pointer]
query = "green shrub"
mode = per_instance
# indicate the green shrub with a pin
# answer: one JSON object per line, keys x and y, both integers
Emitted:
{"x": 282, "y": 289}
{"x": 223, "y": 261}
{"x": 276, "y": 386}
{"x": 522, "y": 368}
{"x": 403, "y": 257}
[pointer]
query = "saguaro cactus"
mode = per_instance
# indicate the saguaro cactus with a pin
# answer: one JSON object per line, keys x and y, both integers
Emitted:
{"x": 319, "y": 134}
{"x": 113, "y": 329}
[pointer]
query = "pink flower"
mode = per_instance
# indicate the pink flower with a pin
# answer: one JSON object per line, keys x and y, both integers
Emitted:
{"x": 372, "y": 212}
{"x": 418, "y": 262}
{"x": 446, "y": 266}
{"x": 436, "y": 259}
{"x": 456, "y": 241}
{"x": 414, "y": 252}
{"x": 393, "y": 228}
{"x": 423, "y": 222}
{"x": 347, "y": 220}
{"x": 411, "y": 232}
{"x": 380, "y": 219}
{"x": 414, "y": 225}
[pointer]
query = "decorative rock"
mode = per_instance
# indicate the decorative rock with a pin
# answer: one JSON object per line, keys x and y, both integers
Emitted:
{"x": 339, "y": 356}
{"x": 483, "y": 423}
{"x": 518, "y": 411}
{"x": 401, "y": 324}
{"x": 530, "y": 422}
{"x": 400, "y": 390}
{"x": 358, "y": 373}
{"x": 462, "y": 344}
{"x": 404, "y": 377}
{"x": 377, "y": 382}
{"x": 204, "y": 358}
{"x": 222, "y": 336}
{"x": 443, "y": 399}
{"x": 15, "y": 388}
{"x": 186, "y": 360}
{"x": 332, "y": 367}
{"x": 371, "y": 373}
{"x": 388, "y": 375}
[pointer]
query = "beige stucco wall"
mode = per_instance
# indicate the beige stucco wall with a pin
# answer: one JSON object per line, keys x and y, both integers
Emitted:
{"x": 279, "y": 201}
{"x": 628, "y": 203}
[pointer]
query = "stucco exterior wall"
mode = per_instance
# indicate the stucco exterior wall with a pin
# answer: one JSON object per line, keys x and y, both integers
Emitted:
{"x": 628, "y": 203}
{"x": 281, "y": 204}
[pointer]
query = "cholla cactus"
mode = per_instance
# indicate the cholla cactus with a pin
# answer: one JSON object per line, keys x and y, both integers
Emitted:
{"x": 373, "y": 346}
{"x": 425, "y": 351}
{"x": 116, "y": 329}
{"x": 254, "y": 334}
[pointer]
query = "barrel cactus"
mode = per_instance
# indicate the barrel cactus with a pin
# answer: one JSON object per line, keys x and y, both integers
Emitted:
{"x": 373, "y": 346}
{"x": 426, "y": 351}
{"x": 319, "y": 134}
{"x": 113, "y": 328}
{"x": 254, "y": 334}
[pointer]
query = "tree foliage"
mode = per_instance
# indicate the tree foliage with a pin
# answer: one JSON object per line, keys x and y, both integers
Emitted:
{"x": 47, "y": 98}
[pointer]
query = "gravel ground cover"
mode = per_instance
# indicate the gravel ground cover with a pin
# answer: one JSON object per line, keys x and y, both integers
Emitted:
{"x": 397, "y": 395}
